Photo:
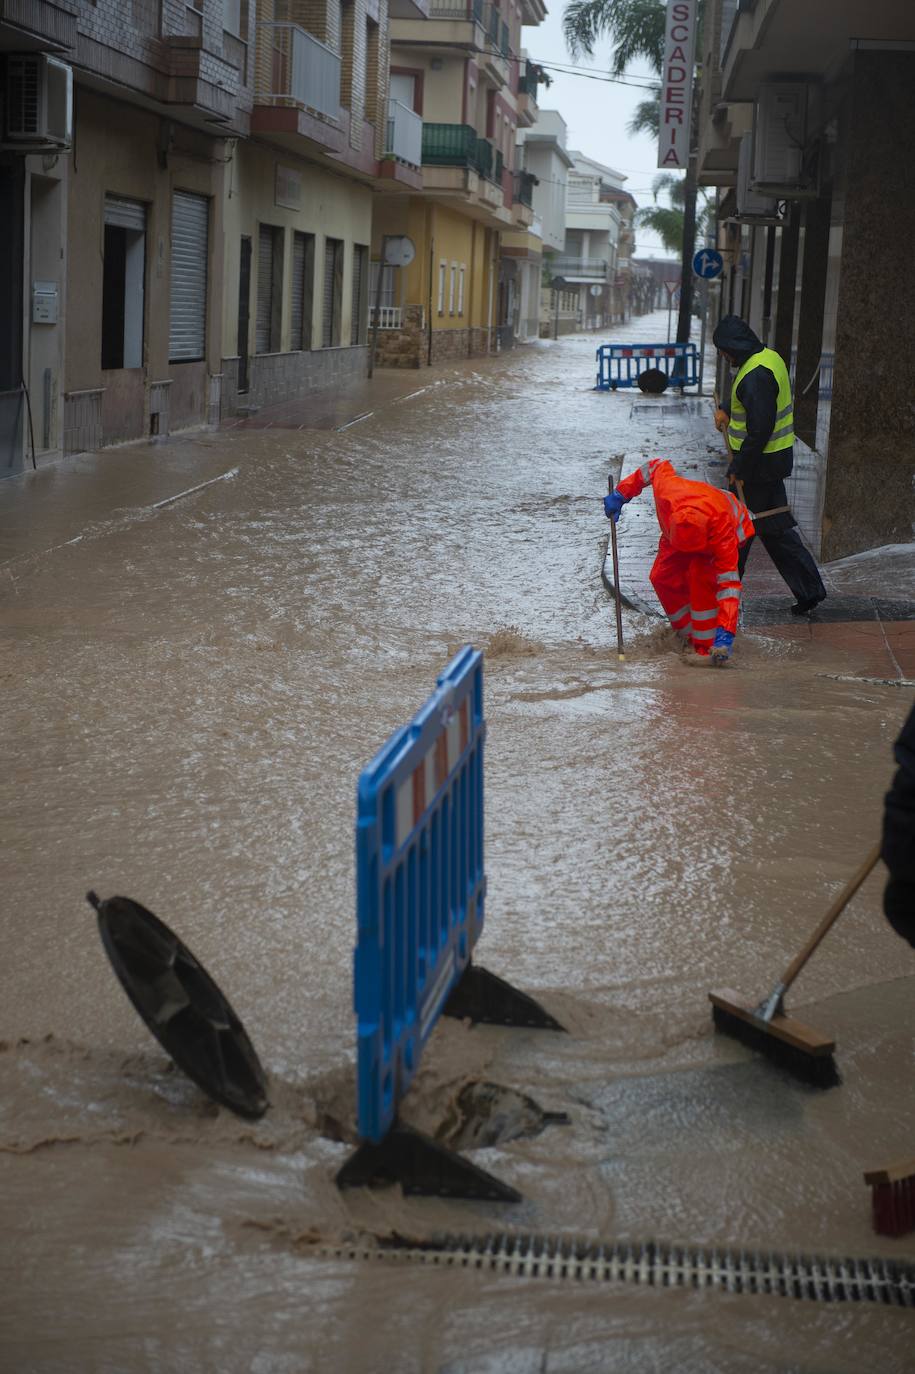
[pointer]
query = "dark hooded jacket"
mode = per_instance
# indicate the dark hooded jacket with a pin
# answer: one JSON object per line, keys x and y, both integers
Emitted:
{"x": 899, "y": 837}
{"x": 758, "y": 394}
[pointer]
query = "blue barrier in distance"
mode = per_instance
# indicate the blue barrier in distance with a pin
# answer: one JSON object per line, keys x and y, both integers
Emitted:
{"x": 619, "y": 365}
{"x": 420, "y": 884}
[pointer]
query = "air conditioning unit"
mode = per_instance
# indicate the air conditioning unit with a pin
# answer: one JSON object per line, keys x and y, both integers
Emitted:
{"x": 779, "y": 136}
{"x": 750, "y": 203}
{"x": 38, "y": 104}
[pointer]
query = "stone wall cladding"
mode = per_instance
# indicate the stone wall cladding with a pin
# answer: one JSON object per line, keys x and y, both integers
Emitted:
{"x": 275, "y": 378}
{"x": 405, "y": 347}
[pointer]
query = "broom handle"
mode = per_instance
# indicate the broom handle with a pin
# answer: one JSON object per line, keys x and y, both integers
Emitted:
{"x": 832, "y": 915}
{"x": 616, "y": 585}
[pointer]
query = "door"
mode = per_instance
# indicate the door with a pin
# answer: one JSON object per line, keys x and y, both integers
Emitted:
{"x": 244, "y": 311}
{"x": 190, "y": 245}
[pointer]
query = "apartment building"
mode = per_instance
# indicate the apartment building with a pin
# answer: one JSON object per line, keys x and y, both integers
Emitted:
{"x": 587, "y": 266}
{"x": 462, "y": 72}
{"x": 196, "y": 240}
{"x": 806, "y": 113}
{"x": 542, "y": 149}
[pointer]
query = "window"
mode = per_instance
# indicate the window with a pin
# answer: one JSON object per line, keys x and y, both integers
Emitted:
{"x": 451, "y": 288}
{"x": 123, "y": 275}
{"x": 360, "y": 282}
{"x": 269, "y": 289}
{"x": 333, "y": 293}
{"x": 388, "y": 284}
{"x": 303, "y": 287}
{"x": 403, "y": 88}
{"x": 231, "y": 16}
{"x": 442, "y": 267}
{"x": 461, "y": 291}
{"x": 187, "y": 330}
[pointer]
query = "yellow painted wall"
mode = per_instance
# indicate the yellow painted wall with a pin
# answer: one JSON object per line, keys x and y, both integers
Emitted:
{"x": 440, "y": 234}
{"x": 442, "y": 89}
{"x": 331, "y": 207}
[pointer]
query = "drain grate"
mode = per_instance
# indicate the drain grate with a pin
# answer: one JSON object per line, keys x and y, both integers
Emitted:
{"x": 814, "y": 1278}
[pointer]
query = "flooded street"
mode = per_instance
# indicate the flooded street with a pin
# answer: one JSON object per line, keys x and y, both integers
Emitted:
{"x": 191, "y": 688}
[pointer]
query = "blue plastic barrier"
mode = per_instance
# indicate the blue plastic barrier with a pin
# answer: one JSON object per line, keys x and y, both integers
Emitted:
{"x": 420, "y": 885}
{"x": 619, "y": 365}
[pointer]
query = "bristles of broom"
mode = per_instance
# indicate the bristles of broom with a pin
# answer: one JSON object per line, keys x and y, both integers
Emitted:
{"x": 894, "y": 1206}
{"x": 819, "y": 1071}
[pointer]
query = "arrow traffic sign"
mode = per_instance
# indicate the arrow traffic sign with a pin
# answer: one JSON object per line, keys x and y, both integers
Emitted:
{"x": 708, "y": 263}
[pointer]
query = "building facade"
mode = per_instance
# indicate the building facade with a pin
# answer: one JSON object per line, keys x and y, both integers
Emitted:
{"x": 805, "y": 125}
{"x": 462, "y": 72}
{"x": 588, "y": 264}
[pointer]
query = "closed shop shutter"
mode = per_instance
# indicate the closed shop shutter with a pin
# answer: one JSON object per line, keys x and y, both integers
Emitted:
{"x": 360, "y": 253}
{"x": 190, "y": 243}
{"x": 262, "y": 331}
{"x": 126, "y": 214}
{"x": 330, "y": 259}
{"x": 297, "y": 337}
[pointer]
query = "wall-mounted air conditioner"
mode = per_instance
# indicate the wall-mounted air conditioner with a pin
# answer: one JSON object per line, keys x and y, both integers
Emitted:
{"x": 779, "y": 136}
{"x": 38, "y": 103}
{"x": 750, "y": 203}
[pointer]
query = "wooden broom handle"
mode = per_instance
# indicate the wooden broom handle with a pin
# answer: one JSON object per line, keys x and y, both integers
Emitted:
{"x": 832, "y": 915}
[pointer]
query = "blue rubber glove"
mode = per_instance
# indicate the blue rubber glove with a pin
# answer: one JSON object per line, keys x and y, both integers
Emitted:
{"x": 614, "y": 502}
{"x": 721, "y": 648}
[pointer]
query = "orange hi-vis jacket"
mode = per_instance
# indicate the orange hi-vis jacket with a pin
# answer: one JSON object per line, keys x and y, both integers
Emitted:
{"x": 695, "y": 572}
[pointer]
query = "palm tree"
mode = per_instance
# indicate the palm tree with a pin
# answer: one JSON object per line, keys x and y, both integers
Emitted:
{"x": 667, "y": 220}
{"x": 636, "y": 28}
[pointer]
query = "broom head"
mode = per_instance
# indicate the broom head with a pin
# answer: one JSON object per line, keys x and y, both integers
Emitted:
{"x": 801, "y": 1050}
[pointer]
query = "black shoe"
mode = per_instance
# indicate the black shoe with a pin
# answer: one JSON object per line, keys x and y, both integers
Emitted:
{"x": 805, "y": 607}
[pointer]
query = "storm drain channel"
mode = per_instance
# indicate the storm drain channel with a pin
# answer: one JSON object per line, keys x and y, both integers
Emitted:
{"x": 813, "y": 1278}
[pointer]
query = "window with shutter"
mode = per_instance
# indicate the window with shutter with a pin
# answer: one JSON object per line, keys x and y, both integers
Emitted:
{"x": 188, "y": 305}
{"x": 357, "y": 322}
{"x": 269, "y": 289}
{"x": 303, "y": 275}
{"x": 332, "y": 293}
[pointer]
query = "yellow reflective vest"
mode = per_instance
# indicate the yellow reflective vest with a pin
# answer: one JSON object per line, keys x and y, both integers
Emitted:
{"x": 782, "y": 435}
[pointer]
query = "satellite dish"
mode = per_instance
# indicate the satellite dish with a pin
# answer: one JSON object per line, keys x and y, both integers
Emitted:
{"x": 595, "y": 289}
{"x": 399, "y": 251}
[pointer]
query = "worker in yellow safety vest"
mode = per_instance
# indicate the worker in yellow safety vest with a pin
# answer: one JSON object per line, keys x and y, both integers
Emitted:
{"x": 760, "y": 427}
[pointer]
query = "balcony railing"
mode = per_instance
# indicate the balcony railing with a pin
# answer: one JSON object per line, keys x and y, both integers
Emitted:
{"x": 492, "y": 23}
{"x": 580, "y": 267}
{"x": 499, "y": 167}
{"x": 457, "y": 9}
{"x": 389, "y": 316}
{"x": 504, "y": 46}
{"x": 456, "y": 145}
{"x": 404, "y": 139}
{"x": 529, "y": 80}
{"x": 295, "y": 68}
{"x": 524, "y": 188}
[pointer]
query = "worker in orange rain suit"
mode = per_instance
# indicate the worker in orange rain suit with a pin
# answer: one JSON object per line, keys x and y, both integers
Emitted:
{"x": 695, "y": 572}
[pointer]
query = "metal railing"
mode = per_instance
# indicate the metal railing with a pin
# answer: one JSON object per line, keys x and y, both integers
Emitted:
{"x": 389, "y": 316}
{"x": 580, "y": 267}
{"x": 404, "y": 140}
{"x": 499, "y": 167}
{"x": 529, "y": 80}
{"x": 492, "y": 21}
{"x": 292, "y": 66}
{"x": 457, "y": 9}
{"x": 524, "y": 188}
{"x": 456, "y": 145}
{"x": 504, "y": 46}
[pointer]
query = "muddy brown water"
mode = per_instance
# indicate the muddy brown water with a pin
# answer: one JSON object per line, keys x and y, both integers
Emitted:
{"x": 189, "y": 692}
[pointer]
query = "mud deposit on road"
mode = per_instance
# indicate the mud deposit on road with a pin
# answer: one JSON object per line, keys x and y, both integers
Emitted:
{"x": 190, "y": 691}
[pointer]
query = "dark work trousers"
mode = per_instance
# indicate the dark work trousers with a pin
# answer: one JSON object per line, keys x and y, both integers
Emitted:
{"x": 781, "y": 541}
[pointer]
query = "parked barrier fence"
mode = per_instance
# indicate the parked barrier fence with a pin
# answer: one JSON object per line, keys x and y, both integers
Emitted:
{"x": 619, "y": 365}
{"x": 420, "y": 897}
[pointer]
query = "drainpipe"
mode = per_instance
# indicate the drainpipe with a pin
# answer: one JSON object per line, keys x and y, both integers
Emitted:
{"x": 492, "y": 272}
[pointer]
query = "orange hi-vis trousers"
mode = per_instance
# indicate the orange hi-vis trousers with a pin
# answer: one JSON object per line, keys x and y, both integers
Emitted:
{"x": 686, "y": 584}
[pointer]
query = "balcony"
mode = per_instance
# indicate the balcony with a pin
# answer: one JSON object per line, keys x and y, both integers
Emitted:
{"x": 457, "y": 145}
{"x": 580, "y": 269}
{"x": 389, "y": 316}
{"x": 293, "y": 69}
{"x": 40, "y": 23}
{"x": 404, "y": 139}
{"x": 457, "y": 9}
{"x": 524, "y": 188}
{"x": 528, "y": 82}
{"x": 504, "y": 45}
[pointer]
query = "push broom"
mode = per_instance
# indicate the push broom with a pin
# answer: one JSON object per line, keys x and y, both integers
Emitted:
{"x": 801, "y": 1050}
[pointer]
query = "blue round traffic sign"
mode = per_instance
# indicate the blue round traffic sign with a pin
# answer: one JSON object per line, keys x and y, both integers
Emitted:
{"x": 708, "y": 263}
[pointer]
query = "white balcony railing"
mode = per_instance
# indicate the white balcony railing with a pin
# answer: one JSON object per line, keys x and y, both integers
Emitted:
{"x": 294, "y": 66}
{"x": 389, "y": 316}
{"x": 405, "y": 134}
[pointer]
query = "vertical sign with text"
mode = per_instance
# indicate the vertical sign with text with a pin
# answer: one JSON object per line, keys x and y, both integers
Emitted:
{"x": 677, "y": 83}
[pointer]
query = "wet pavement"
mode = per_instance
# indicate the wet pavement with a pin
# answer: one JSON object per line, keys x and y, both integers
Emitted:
{"x": 203, "y": 643}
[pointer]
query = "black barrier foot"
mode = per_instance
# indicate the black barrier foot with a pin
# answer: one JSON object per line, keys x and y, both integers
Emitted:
{"x": 482, "y": 996}
{"x": 423, "y": 1166}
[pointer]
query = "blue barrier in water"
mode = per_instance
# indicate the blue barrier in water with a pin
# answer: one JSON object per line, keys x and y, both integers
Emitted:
{"x": 420, "y": 884}
{"x": 619, "y": 365}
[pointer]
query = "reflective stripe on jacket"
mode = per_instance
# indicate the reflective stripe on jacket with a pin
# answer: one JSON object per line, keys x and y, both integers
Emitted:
{"x": 782, "y": 435}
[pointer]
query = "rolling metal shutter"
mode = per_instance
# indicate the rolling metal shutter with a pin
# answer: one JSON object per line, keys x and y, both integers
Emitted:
{"x": 297, "y": 336}
{"x": 262, "y": 328}
{"x": 330, "y": 260}
{"x": 126, "y": 214}
{"x": 360, "y": 252}
{"x": 190, "y": 242}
